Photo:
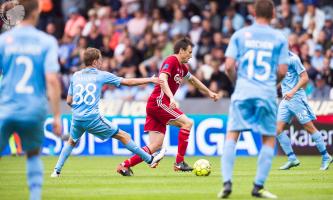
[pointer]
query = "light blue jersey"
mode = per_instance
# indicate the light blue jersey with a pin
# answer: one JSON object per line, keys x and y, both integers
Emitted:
{"x": 86, "y": 87}
{"x": 295, "y": 68}
{"x": 259, "y": 49}
{"x": 297, "y": 106}
{"x": 26, "y": 55}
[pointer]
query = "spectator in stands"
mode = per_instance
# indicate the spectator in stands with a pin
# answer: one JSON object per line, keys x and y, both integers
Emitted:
{"x": 180, "y": 24}
{"x": 95, "y": 39}
{"x": 145, "y": 46}
{"x": 137, "y": 26}
{"x": 297, "y": 26}
{"x": 237, "y": 20}
{"x": 93, "y": 21}
{"x": 75, "y": 23}
{"x": 158, "y": 23}
{"x": 313, "y": 15}
{"x": 210, "y": 12}
{"x": 317, "y": 60}
{"x": 129, "y": 66}
{"x": 328, "y": 27}
{"x": 188, "y": 8}
{"x": 151, "y": 65}
{"x": 222, "y": 79}
{"x": 65, "y": 51}
{"x": 322, "y": 90}
{"x": 205, "y": 46}
{"x": 284, "y": 13}
{"x": 196, "y": 29}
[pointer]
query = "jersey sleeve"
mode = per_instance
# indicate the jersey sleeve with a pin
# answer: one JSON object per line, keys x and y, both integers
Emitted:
{"x": 112, "y": 79}
{"x": 299, "y": 66}
{"x": 283, "y": 54}
{"x": 232, "y": 50}
{"x": 168, "y": 65}
{"x": 51, "y": 64}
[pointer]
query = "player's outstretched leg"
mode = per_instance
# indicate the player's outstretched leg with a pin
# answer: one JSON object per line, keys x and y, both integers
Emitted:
{"x": 156, "y": 140}
{"x": 318, "y": 139}
{"x": 263, "y": 167}
{"x": 227, "y": 163}
{"x": 130, "y": 145}
{"x": 65, "y": 152}
{"x": 286, "y": 147}
{"x": 185, "y": 124}
{"x": 34, "y": 174}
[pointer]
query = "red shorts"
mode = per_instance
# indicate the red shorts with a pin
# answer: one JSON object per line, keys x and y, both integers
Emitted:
{"x": 158, "y": 116}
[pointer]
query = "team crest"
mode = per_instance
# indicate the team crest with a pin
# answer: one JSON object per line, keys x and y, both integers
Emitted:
{"x": 178, "y": 79}
{"x": 166, "y": 66}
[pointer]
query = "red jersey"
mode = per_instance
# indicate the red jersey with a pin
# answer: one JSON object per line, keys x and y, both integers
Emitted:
{"x": 176, "y": 71}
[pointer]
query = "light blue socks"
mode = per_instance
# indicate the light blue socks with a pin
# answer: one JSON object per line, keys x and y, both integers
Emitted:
{"x": 138, "y": 151}
{"x": 318, "y": 139}
{"x": 286, "y": 146}
{"x": 35, "y": 177}
{"x": 264, "y": 164}
{"x": 65, "y": 152}
{"x": 228, "y": 160}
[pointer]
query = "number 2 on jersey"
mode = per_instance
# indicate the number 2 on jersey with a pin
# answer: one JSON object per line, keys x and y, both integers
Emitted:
{"x": 260, "y": 62}
{"x": 22, "y": 86}
{"x": 90, "y": 90}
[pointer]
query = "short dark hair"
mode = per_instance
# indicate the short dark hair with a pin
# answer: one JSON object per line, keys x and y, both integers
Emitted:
{"x": 264, "y": 8}
{"x": 90, "y": 55}
{"x": 29, "y": 6}
{"x": 182, "y": 44}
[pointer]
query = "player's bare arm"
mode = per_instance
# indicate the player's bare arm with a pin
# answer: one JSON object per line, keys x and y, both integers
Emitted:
{"x": 304, "y": 78}
{"x": 163, "y": 78}
{"x": 230, "y": 69}
{"x": 69, "y": 100}
{"x": 203, "y": 89}
{"x": 139, "y": 81}
{"x": 282, "y": 71}
{"x": 53, "y": 90}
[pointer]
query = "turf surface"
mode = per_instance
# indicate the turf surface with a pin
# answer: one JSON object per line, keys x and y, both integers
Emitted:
{"x": 95, "y": 178}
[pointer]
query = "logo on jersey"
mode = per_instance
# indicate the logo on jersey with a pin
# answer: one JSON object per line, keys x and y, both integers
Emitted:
{"x": 166, "y": 66}
{"x": 11, "y": 13}
{"x": 178, "y": 79}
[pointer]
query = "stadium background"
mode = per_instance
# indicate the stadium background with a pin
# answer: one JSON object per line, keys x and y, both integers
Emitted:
{"x": 135, "y": 36}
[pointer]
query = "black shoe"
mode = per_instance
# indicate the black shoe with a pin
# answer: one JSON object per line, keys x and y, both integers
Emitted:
{"x": 182, "y": 166}
{"x": 225, "y": 191}
{"x": 259, "y": 192}
{"x": 124, "y": 171}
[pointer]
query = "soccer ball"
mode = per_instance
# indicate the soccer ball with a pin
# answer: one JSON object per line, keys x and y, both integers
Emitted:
{"x": 202, "y": 167}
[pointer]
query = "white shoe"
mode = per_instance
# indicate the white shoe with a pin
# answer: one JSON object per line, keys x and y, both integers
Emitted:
{"x": 157, "y": 158}
{"x": 55, "y": 174}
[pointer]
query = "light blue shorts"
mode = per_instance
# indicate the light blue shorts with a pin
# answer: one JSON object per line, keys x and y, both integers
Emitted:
{"x": 254, "y": 114}
{"x": 31, "y": 132}
{"x": 99, "y": 127}
{"x": 297, "y": 107}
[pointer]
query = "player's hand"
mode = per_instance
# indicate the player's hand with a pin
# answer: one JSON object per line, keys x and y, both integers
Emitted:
{"x": 289, "y": 95}
{"x": 57, "y": 128}
{"x": 214, "y": 96}
{"x": 155, "y": 79}
{"x": 173, "y": 103}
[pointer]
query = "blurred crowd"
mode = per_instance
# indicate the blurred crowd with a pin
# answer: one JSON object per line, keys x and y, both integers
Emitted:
{"x": 135, "y": 36}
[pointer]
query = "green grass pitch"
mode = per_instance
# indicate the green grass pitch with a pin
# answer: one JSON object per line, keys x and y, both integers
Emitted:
{"x": 95, "y": 178}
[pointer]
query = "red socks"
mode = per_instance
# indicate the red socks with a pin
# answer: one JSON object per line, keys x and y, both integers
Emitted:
{"x": 182, "y": 144}
{"x": 134, "y": 160}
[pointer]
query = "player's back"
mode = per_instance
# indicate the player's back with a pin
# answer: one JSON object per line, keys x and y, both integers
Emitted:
{"x": 295, "y": 68}
{"x": 26, "y": 54}
{"x": 86, "y": 87}
{"x": 258, "y": 50}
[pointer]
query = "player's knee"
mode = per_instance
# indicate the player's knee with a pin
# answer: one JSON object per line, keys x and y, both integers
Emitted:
{"x": 188, "y": 124}
{"x": 156, "y": 146}
{"x": 310, "y": 128}
{"x": 72, "y": 142}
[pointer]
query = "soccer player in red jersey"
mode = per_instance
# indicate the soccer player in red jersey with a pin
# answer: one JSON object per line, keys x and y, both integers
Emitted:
{"x": 162, "y": 108}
